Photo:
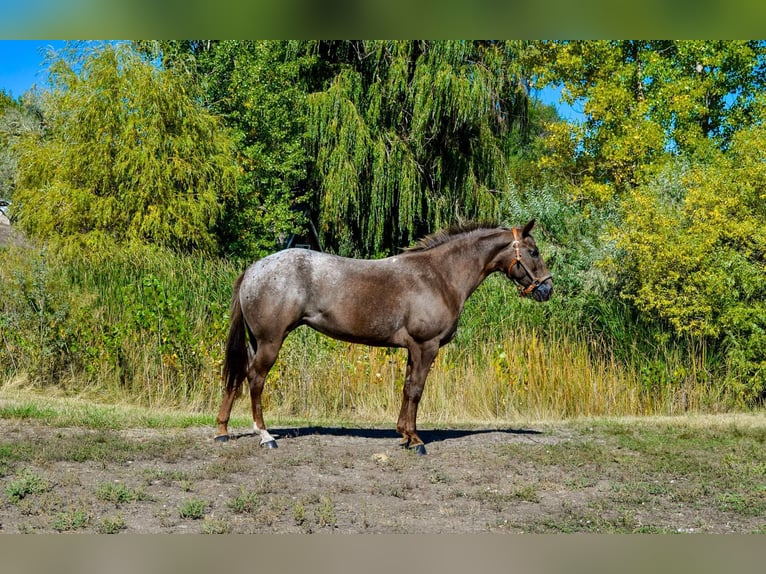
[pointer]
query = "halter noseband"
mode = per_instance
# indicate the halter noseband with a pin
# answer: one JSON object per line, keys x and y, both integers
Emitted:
{"x": 524, "y": 291}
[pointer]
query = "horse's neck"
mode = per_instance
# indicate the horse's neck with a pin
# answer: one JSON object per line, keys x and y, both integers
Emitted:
{"x": 467, "y": 260}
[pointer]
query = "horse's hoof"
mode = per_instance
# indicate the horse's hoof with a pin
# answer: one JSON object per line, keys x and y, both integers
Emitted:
{"x": 404, "y": 444}
{"x": 419, "y": 449}
{"x": 222, "y": 438}
{"x": 269, "y": 444}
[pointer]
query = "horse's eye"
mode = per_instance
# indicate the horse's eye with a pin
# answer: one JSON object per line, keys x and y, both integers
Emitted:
{"x": 534, "y": 252}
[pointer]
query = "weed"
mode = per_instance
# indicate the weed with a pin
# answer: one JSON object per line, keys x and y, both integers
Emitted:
{"x": 193, "y": 508}
{"x": 749, "y": 504}
{"x": 326, "y": 513}
{"x": 299, "y": 513}
{"x": 71, "y": 520}
{"x": 527, "y": 493}
{"x": 27, "y": 483}
{"x": 216, "y": 526}
{"x": 111, "y": 524}
{"x": 118, "y": 493}
{"x": 186, "y": 485}
{"x": 164, "y": 477}
{"x": 438, "y": 476}
{"x": 5, "y": 468}
{"x": 246, "y": 502}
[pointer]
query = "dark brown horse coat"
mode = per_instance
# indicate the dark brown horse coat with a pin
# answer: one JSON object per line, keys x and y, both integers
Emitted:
{"x": 411, "y": 300}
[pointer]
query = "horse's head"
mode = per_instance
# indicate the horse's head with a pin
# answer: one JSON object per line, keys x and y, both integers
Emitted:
{"x": 524, "y": 266}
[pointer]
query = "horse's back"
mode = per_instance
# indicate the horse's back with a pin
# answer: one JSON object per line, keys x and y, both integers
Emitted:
{"x": 359, "y": 300}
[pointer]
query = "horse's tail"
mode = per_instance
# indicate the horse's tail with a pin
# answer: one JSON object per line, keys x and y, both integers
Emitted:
{"x": 235, "y": 359}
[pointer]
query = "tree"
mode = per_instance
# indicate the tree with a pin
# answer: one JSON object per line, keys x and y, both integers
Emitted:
{"x": 256, "y": 87}
{"x": 694, "y": 253}
{"x": 644, "y": 101}
{"x": 406, "y": 136}
{"x": 128, "y": 154}
{"x": 377, "y": 142}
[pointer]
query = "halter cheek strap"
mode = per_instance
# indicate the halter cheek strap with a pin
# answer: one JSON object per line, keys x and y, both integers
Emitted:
{"x": 524, "y": 291}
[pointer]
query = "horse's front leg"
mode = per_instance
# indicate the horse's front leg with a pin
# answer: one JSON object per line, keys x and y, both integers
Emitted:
{"x": 419, "y": 361}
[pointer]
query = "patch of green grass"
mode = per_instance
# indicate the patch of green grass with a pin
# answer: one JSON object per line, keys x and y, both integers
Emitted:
{"x": 193, "y": 508}
{"x": 216, "y": 526}
{"x": 111, "y": 524}
{"x": 299, "y": 513}
{"x": 5, "y": 467}
{"x": 26, "y": 484}
{"x": 527, "y": 493}
{"x": 99, "y": 445}
{"x": 118, "y": 493}
{"x": 164, "y": 477}
{"x": 591, "y": 520}
{"x": 325, "y": 514}
{"x": 246, "y": 502}
{"x": 747, "y": 503}
{"x": 26, "y": 410}
{"x": 74, "y": 412}
{"x": 75, "y": 519}
{"x": 16, "y": 450}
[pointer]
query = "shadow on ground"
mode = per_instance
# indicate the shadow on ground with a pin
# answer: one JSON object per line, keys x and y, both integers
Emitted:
{"x": 428, "y": 435}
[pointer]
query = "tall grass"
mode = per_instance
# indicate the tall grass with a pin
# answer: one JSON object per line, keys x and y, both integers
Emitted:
{"x": 135, "y": 325}
{"x": 147, "y": 327}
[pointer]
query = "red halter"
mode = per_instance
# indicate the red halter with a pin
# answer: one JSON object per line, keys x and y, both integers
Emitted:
{"x": 524, "y": 291}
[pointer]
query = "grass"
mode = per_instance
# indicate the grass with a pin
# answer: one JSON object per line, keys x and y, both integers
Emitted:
{"x": 119, "y": 493}
{"x": 144, "y": 327}
{"x": 193, "y": 508}
{"x": 75, "y": 519}
{"x": 246, "y": 502}
{"x": 27, "y": 483}
{"x": 111, "y": 524}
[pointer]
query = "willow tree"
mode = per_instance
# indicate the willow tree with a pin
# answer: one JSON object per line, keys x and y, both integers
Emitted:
{"x": 128, "y": 154}
{"x": 407, "y": 136}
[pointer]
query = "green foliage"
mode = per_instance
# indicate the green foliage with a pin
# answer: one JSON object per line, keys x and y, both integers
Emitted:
{"x": 111, "y": 524}
{"x": 129, "y": 154}
{"x": 650, "y": 212}
{"x": 256, "y": 87}
{"x": 246, "y": 502}
{"x": 26, "y": 483}
{"x": 262, "y": 99}
{"x": 74, "y": 519}
{"x": 405, "y": 136}
{"x": 693, "y": 246}
{"x": 140, "y": 322}
{"x": 118, "y": 493}
{"x": 18, "y": 119}
{"x": 643, "y": 100}
{"x": 193, "y": 508}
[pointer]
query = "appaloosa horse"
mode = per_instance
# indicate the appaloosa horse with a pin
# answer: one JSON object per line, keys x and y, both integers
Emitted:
{"x": 411, "y": 300}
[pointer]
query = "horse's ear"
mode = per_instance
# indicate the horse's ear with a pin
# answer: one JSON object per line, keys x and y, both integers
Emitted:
{"x": 528, "y": 228}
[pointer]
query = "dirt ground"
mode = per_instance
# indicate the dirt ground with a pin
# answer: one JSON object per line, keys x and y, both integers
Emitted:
{"x": 560, "y": 478}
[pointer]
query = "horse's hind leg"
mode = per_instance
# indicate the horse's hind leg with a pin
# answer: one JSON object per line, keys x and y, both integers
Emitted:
{"x": 256, "y": 375}
{"x": 223, "y": 414}
{"x": 418, "y": 364}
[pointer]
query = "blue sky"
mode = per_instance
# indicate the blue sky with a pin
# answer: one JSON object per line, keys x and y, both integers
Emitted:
{"x": 22, "y": 66}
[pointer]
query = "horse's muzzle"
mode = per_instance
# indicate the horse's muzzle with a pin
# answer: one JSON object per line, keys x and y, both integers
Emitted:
{"x": 543, "y": 292}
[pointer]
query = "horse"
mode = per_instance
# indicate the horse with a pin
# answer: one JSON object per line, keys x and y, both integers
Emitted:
{"x": 411, "y": 300}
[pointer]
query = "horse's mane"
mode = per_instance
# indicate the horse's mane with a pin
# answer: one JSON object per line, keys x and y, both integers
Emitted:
{"x": 445, "y": 235}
